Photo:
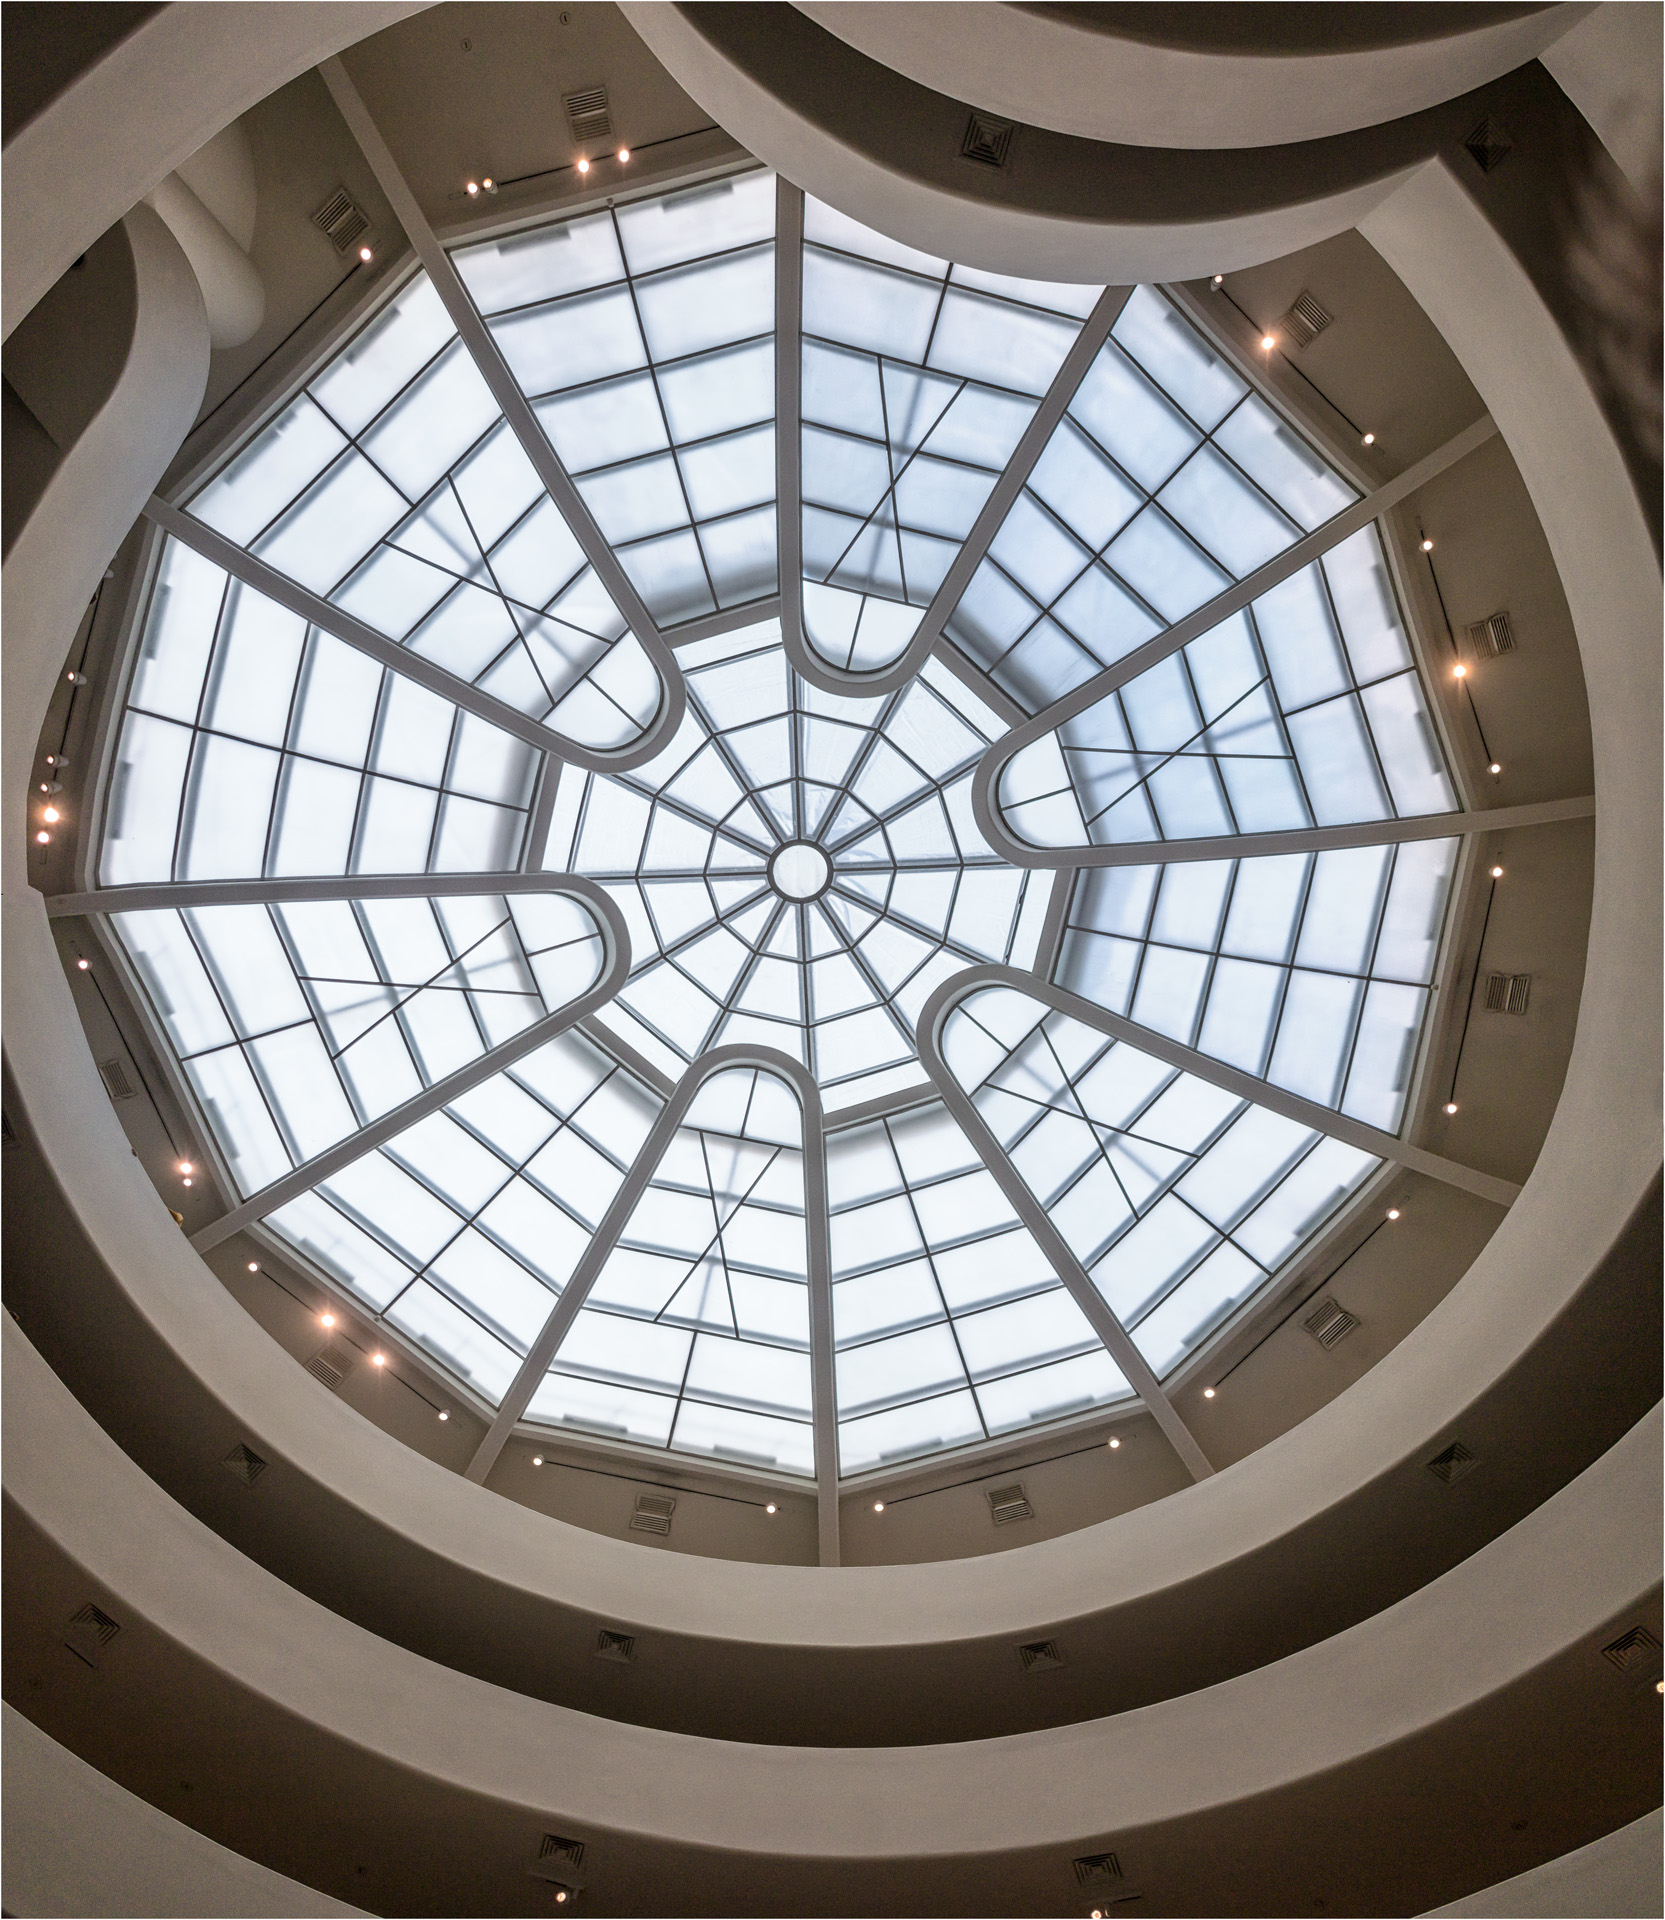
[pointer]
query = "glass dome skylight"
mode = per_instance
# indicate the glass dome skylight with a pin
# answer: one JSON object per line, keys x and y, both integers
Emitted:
{"x": 679, "y": 1038}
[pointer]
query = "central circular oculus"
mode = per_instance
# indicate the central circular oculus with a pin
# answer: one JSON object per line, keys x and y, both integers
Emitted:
{"x": 799, "y": 870}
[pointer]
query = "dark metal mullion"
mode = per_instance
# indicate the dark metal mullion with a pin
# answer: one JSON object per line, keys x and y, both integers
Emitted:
{"x": 659, "y": 401}
{"x": 1208, "y": 726}
{"x": 1165, "y": 757}
{"x": 198, "y": 729}
{"x": 496, "y": 587}
{"x": 880, "y": 992}
{"x": 1248, "y": 478}
{"x": 361, "y": 809}
{"x": 670, "y": 363}
{"x": 1279, "y": 715}
{"x": 1366, "y": 976}
{"x": 1287, "y": 969}
{"x": 1213, "y": 952}
{"x": 602, "y": 286}
{"x": 316, "y": 1016}
{"x": 1353, "y": 689}
{"x": 930, "y": 1259}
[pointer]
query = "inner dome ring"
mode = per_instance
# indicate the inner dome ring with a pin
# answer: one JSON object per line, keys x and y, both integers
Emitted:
{"x": 800, "y": 870}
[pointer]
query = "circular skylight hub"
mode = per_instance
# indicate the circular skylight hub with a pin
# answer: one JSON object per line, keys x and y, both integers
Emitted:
{"x": 799, "y": 870}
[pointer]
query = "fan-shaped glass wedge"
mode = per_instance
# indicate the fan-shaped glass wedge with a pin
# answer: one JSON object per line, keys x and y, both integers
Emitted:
{"x": 762, "y": 760}
{"x": 394, "y": 488}
{"x": 298, "y": 1023}
{"x": 949, "y": 1325}
{"x": 1310, "y": 970}
{"x": 919, "y": 378}
{"x": 1179, "y": 1199}
{"x": 1303, "y": 710}
{"x": 695, "y": 1335}
{"x": 644, "y": 336}
{"x": 463, "y": 1230}
{"x": 1167, "y": 479}
{"x": 254, "y": 744}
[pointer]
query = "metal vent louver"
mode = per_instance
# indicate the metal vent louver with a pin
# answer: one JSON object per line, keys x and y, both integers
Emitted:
{"x": 332, "y": 1365}
{"x": 89, "y": 1631}
{"x": 1305, "y": 321}
{"x": 1492, "y": 636}
{"x": 1508, "y": 992}
{"x": 341, "y": 220}
{"x": 244, "y": 1464}
{"x": 1331, "y": 1324}
{"x": 588, "y": 114}
{"x": 116, "y": 1083}
{"x": 986, "y": 140}
{"x": 1488, "y": 145}
{"x": 615, "y": 1646}
{"x": 1035, "y": 1655}
{"x": 558, "y": 1861}
{"x": 1093, "y": 1869}
{"x": 1009, "y": 1503}
{"x": 1453, "y": 1463}
{"x": 1636, "y": 1654}
{"x": 653, "y": 1513}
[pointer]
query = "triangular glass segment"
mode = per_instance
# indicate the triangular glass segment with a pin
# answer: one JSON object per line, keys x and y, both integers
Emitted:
{"x": 1304, "y": 710}
{"x": 1167, "y": 479}
{"x": 254, "y": 745}
{"x": 720, "y": 955}
{"x": 644, "y": 336}
{"x": 919, "y": 378}
{"x": 949, "y": 1325}
{"x": 1177, "y": 1198}
{"x": 298, "y": 1023}
{"x": 1311, "y": 970}
{"x": 463, "y": 1230}
{"x": 394, "y": 488}
{"x": 695, "y": 1335}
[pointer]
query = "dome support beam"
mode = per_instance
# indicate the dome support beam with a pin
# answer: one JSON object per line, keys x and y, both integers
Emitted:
{"x": 824, "y": 1411}
{"x": 615, "y": 969}
{"x": 1206, "y": 617}
{"x": 516, "y": 409}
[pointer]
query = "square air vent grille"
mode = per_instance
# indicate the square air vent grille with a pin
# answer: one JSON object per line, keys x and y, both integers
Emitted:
{"x": 118, "y": 1082}
{"x": 1636, "y": 1654}
{"x": 1305, "y": 321}
{"x": 90, "y": 1630}
{"x": 1036, "y": 1655}
{"x": 615, "y": 1646}
{"x": 653, "y": 1513}
{"x": 1009, "y": 1503}
{"x": 1508, "y": 992}
{"x": 331, "y": 1366}
{"x": 342, "y": 221}
{"x": 244, "y": 1464}
{"x": 558, "y": 1861}
{"x": 1488, "y": 145}
{"x": 1453, "y": 1463}
{"x": 588, "y": 114}
{"x": 986, "y": 140}
{"x": 1492, "y": 636}
{"x": 1331, "y": 1324}
{"x": 1096, "y": 1869}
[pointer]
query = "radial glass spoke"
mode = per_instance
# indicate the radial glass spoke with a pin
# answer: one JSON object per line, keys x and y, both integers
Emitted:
{"x": 1178, "y": 1198}
{"x": 1303, "y": 710}
{"x": 1167, "y": 479}
{"x": 1311, "y": 970}
{"x": 462, "y": 1230}
{"x": 254, "y": 744}
{"x": 393, "y": 488}
{"x": 644, "y": 336}
{"x": 695, "y": 1335}
{"x": 919, "y": 378}
{"x": 949, "y": 1325}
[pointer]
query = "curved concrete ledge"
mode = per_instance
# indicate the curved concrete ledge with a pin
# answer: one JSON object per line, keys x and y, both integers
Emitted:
{"x": 353, "y": 1517}
{"x": 1619, "y": 1873}
{"x": 1090, "y": 76}
{"x": 78, "y": 1844}
{"x": 1474, "y": 1687}
{"x": 195, "y": 69}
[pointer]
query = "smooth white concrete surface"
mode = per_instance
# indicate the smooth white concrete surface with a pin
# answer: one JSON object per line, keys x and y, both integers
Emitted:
{"x": 974, "y": 229}
{"x": 194, "y": 69}
{"x": 1490, "y": 1624}
{"x": 77, "y": 1843}
{"x": 1618, "y": 1874}
{"x": 1612, "y": 67}
{"x": 232, "y": 292}
{"x": 1087, "y": 79}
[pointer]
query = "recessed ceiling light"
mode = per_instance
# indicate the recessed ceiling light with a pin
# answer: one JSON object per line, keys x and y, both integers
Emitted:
{"x": 1497, "y": 873}
{"x": 84, "y": 965}
{"x": 1427, "y": 545}
{"x": 326, "y": 1319}
{"x": 49, "y": 815}
{"x": 878, "y": 1506}
{"x": 44, "y": 838}
{"x": 583, "y": 165}
{"x": 1208, "y": 1393}
{"x": 378, "y": 1359}
{"x": 1459, "y": 671}
{"x": 537, "y": 1459}
{"x": 1393, "y": 1213}
{"x": 1114, "y": 1444}
{"x": 770, "y": 1508}
{"x": 1450, "y": 1106}
{"x": 254, "y": 1266}
{"x": 624, "y": 154}
{"x": 1268, "y": 341}
{"x": 1494, "y": 768}
{"x": 443, "y": 1414}
{"x": 1369, "y": 440}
